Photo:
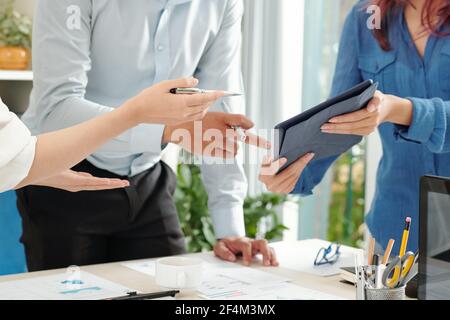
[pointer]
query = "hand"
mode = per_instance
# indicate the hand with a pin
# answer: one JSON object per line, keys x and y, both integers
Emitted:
{"x": 214, "y": 136}
{"x": 363, "y": 122}
{"x": 79, "y": 181}
{"x": 285, "y": 181}
{"x": 158, "y": 106}
{"x": 230, "y": 248}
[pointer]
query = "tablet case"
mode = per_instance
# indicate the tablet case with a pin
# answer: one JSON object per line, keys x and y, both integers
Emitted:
{"x": 301, "y": 134}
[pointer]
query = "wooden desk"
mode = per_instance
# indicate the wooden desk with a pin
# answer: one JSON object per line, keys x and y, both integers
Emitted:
{"x": 140, "y": 282}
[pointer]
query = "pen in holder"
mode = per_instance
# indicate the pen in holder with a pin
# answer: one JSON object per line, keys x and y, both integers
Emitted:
{"x": 368, "y": 289}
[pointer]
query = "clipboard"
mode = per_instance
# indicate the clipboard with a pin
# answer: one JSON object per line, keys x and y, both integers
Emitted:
{"x": 301, "y": 135}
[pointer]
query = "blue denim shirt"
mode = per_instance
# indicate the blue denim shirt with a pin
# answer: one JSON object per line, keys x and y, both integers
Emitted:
{"x": 408, "y": 152}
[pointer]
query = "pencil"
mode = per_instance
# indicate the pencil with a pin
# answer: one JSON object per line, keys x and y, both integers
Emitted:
{"x": 388, "y": 251}
{"x": 371, "y": 251}
{"x": 405, "y": 237}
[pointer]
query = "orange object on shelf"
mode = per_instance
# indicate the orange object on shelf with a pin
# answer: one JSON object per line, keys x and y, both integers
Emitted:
{"x": 14, "y": 58}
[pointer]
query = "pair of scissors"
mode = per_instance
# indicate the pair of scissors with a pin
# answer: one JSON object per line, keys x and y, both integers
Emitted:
{"x": 400, "y": 270}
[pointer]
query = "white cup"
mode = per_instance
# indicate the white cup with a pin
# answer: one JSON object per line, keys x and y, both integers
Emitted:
{"x": 179, "y": 273}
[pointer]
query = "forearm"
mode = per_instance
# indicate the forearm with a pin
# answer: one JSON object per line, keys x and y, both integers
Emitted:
{"x": 427, "y": 125}
{"x": 57, "y": 151}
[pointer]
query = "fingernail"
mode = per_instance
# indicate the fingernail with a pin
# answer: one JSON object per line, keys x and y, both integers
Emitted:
{"x": 371, "y": 108}
{"x": 267, "y": 263}
{"x": 334, "y": 120}
{"x": 310, "y": 156}
{"x": 325, "y": 127}
{"x": 193, "y": 82}
{"x": 283, "y": 161}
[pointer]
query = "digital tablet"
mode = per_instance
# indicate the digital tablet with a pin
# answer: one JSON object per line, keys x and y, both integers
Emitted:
{"x": 301, "y": 134}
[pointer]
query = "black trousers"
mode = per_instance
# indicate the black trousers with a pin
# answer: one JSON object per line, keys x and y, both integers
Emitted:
{"x": 61, "y": 229}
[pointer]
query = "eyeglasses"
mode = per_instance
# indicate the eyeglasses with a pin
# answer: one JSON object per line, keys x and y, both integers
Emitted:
{"x": 328, "y": 255}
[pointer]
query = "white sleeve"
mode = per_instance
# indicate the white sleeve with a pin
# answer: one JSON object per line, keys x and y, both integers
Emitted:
{"x": 220, "y": 67}
{"x": 17, "y": 149}
{"x": 59, "y": 88}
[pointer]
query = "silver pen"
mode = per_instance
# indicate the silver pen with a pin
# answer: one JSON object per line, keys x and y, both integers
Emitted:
{"x": 197, "y": 91}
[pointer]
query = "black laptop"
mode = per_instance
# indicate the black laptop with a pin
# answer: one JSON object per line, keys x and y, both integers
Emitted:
{"x": 434, "y": 260}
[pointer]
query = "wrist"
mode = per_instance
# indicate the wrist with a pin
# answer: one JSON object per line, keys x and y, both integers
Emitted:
{"x": 131, "y": 113}
{"x": 167, "y": 135}
{"x": 400, "y": 111}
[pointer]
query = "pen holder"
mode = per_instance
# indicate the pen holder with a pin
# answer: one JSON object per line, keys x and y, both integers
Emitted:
{"x": 386, "y": 294}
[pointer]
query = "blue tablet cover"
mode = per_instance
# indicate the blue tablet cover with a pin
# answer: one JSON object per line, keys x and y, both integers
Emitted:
{"x": 301, "y": 134}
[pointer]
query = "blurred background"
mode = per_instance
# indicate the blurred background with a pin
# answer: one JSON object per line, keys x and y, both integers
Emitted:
{"x": 289, "y": 53}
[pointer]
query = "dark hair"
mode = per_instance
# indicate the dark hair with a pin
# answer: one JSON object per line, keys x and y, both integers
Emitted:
{"x": 433, "y": 26}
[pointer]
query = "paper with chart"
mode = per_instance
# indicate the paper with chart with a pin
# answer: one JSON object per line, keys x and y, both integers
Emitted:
{"x": 216, "y": 272}
{"x": 58, "y": 287}
{"x": 234, "y": 282}
{"x": 229, "y": 281}
{"x": 275, "y": 291}
{"x": 146, "y": 267}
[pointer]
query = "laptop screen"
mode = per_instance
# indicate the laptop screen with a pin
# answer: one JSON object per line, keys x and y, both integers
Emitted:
{"x": 434, "y": 265}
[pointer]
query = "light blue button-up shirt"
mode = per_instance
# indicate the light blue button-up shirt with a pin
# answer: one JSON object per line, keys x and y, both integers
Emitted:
{"x": 408, "y": 152}
{"x": 90, "y": 56}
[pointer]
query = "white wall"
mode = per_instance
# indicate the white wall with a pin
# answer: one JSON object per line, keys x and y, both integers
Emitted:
{"x": 373, "y": 154}
{"x": 25, "y": 6}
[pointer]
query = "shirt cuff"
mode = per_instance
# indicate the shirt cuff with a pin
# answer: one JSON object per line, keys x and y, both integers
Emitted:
{"x": 425, "y": 123}
{"x": 304, "y": 184}
{"x": 229, "y": 222}
{"x": 19, "y": 167}
{"x": 147, "y": 138}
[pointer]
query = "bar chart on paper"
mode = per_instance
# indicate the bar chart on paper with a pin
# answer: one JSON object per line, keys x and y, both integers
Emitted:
{"x": 228, "y": 281}
{"x": 55, "y": 287}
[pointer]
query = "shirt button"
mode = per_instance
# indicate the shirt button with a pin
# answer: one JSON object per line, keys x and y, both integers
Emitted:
{"x": 161, "y": 48}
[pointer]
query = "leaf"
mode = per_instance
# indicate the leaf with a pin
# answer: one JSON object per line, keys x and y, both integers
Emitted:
{"x": 192, "y": 205}
{"x": 15, "y": 28}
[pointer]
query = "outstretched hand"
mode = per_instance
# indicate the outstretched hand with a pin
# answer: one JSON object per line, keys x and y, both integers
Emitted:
{"x": 79, "y": 181}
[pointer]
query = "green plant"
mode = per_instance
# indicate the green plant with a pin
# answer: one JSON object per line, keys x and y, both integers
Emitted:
{"x": 347, "y": 205}
{"x": 191, "y": 201}
{"x": 15, "y": 28}
{"x": 261, "y": 217}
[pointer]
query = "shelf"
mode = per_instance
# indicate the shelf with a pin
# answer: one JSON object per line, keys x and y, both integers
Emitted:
{"x": 10, "y": 75}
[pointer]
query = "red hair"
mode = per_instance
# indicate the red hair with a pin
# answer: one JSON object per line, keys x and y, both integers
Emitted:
{"x": 429, "y": 16}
